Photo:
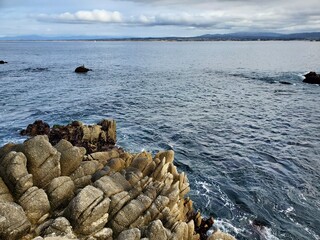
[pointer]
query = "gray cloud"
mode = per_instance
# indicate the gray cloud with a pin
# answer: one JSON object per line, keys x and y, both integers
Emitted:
{"x": 268, "y": 20}
{"x": 160, "y": 16}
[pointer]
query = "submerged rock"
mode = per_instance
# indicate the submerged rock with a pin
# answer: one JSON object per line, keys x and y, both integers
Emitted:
{"x": 56, "y": 190}
{"x": 285, "y": 83}
{"x": 312, "y": 77}
{"x": 82, "y": 69}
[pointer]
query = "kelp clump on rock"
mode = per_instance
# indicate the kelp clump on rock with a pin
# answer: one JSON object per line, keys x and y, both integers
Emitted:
{"x": 77, "y": 185}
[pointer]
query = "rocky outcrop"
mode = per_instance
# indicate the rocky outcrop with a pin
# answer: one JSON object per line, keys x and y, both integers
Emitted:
{"x": 37, "y": 128}
{"x": 94, "y": 138}
{"x": 61, "y": 191}
{"x": 3, "y": 62}
{"x": 312, "y": 77}
{"x": 82, "y": 69}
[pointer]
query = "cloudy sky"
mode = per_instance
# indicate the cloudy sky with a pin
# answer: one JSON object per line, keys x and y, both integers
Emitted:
{"x": 143, "y": 18}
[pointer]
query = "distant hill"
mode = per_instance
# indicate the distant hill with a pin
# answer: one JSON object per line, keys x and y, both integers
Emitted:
{"x": 238, "y": 36}
{"x": 249, "y": 36}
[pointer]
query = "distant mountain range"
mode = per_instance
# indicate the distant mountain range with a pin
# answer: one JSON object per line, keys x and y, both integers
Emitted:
{"x": 240, "y": 36}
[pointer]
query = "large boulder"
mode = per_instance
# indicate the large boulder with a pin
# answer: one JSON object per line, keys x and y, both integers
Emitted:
{"x": 156, "y": 231}
{"x": 60, "y": 191}
{"x": 36, "y": 205}
{"x": 5, "y": 195}
{"x": 312, "y": 77}
{"x": 88, "y": 211}
{"x": 83, "y": 174}
{"x": 13, "y": 170}
{"x": 130, "y": 234}
{"x": 43, "y": 160}
{"x": 13, "y": 221}
{"x": 60, "y": 227}
{"x": 71, "y": 157}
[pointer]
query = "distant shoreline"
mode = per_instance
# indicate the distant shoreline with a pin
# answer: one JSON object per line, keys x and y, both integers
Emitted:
{"x": 264, "y": 36}
{"x": 161, "y": 40}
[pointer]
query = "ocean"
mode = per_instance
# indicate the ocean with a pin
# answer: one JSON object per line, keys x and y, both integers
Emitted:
{"x": 249, "y": 144}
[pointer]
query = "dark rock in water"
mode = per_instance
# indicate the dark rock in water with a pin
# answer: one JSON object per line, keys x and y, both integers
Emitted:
{"x": 260, "y": 223}
{"x": 202, "y": 225}
{"x": 312, "y": 77}
{"x": 37, "y": 128}
{"x": 2, "y": 62}
{"x": 82, "y": 69}
{"x": 284, "y": 82}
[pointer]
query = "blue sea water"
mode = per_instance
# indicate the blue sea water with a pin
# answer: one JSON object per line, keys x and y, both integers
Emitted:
{"x": 249, "y": 144}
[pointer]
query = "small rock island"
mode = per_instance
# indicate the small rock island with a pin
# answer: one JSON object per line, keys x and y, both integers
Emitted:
{"x": 82, "y": 69}
{"x": 312, "y": 78}
{"x": 73, "y": 182}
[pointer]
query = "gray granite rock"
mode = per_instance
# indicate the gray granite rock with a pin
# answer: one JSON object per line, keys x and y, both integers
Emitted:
{"x": 71, "y": 157}
{"x": 14, "y": 223}
{"x": 43, "y": 160}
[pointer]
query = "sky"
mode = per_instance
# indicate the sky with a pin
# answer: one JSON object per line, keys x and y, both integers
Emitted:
{"x": 156, "y": 18}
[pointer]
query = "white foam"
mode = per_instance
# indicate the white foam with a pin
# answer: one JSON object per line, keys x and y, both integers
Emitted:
{"x": 266, "y": 233}
{"x": 225, "y": 226}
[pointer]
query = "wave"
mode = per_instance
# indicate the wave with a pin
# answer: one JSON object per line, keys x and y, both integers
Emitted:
{"x": 37, "y": 69}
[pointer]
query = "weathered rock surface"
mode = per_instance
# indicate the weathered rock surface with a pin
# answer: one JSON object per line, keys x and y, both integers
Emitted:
{"x": 5, "y": 195}
{"x": 71, "y": 157}
{"x": 14, "y": 223}
{"x": 60, "y": 191}
{"x": 13, "y": 170}
{"x": 312, "y": 77}
{"x": 36, "y": 205}
{"x": 43, "y": 160}
{"x": 67, "y": 192}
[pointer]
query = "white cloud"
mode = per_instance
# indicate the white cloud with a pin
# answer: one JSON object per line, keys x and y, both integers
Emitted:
{"x": 96, "y": 15}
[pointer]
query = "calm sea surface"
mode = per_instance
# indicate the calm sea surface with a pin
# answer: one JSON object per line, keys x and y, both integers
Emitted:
{"x": 249, "y": 144}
